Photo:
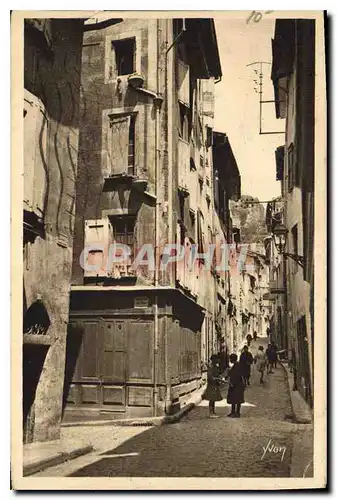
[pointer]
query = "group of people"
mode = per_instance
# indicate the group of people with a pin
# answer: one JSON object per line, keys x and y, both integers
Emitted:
{"x": 238, "y": 376}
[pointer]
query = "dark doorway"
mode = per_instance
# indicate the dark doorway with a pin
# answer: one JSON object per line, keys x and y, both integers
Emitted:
{"x": 36, "y": 323}
{"x": 303, "y": 372}
{"x": 33, "y": 361}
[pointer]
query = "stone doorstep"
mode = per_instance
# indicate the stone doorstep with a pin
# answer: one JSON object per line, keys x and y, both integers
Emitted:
{"x": 302, "y": 414}
{"x": 145, "y": 421}
{"x": 42, "y": 455}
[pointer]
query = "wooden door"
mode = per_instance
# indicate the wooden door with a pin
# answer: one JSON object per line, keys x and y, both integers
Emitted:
{"x": 87, "y": 371}
{"x": 113, "y": 365}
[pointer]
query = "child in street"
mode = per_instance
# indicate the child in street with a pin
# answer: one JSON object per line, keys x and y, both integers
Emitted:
{"x": 261, "y": 361}
{"x": 235, "y": 396}
{"x": 213, "y": 393}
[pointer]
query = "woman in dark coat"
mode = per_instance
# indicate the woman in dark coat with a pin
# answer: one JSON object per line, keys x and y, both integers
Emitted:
{"x": 235, "y": 396}
{"x": 246, "y": 360}
{"x": 212, "y": 393}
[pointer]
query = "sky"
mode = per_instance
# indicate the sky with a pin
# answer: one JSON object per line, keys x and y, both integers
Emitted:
{"x": 237, "y": 104}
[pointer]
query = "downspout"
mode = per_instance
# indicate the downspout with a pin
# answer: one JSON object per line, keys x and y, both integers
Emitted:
{"x": 157, "y": 256}
{"x": 157, "y": 102}
{"x": 169, "y": 23}
{"x": 170, "y": 182}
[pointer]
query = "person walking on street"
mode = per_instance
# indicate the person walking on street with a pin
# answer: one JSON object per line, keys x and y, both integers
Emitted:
{"x": 255, "y": 336}
{"x": 246, "y": 360}
{"x": 261, "y": 361}
{"x": 274, "y": 354}
{"x": 249, "y": 339}
{"x": 236, "y": 389}
{"x": 270, "y": 358}
{"x": 212, "y": 392}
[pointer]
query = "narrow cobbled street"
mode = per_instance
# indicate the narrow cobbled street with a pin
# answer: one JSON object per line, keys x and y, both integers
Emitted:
{"x": 260, "y": 444}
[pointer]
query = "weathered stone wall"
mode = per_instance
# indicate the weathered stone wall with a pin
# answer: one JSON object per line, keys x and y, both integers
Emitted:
{"x": 53, "y": 86}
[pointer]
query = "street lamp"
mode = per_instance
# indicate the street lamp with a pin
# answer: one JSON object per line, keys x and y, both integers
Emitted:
{"x": 280, "y": 234}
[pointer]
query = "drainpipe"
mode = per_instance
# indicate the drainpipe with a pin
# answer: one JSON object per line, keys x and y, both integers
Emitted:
{"x": 170, "y": 182}
{"x": 157, "y": 256}
{"x": 157, "y": 101}
{"x": 169, "y": 23}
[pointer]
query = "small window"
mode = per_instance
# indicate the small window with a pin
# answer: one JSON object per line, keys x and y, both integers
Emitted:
{"x": 192, "y": 165}
{"x": 124, "y": 56}
{"x": 202, "y": 162}
{"x": 124, "y": 231}
{"x": 209, "y": 137}
{"x": 252, "y": 283}
{"x": 183, "y": 122}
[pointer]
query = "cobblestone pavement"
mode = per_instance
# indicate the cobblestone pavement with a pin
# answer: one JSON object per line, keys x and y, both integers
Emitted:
{"x": 198, "y": 446}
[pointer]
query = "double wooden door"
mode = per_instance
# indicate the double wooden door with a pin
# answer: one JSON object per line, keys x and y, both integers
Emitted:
{"x": 98, "y": 378}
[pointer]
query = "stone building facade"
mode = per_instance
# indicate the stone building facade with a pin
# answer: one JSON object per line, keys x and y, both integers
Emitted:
{"x": 52, "y": 66}
{"x": 227, "y": 187}
{"x": 293, "y": 75}
{"x": 138, "y": 334}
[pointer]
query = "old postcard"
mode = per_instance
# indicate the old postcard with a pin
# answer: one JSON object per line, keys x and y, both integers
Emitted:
{"x": 168, "y": 250}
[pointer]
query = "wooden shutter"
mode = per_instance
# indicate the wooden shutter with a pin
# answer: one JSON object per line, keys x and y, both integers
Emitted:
{"x": 35, "y": 153}
{"x": 193, "y": 188}
{"x": 208, "y": 104}
{"x": 119, "y": 144}
{"x": 140, "y": 351}
{"x": 181, "y": 263}
{"x": 89, "y": 352}
{"x": 200, "y": 224}
{"x": 29, "y": 152}
{"x": 41, "y": 161}
{"x": 184, "y": 163}
{"x": 97, "y": 231}
{"x": 183, "y": 83}
{"x": 113, "y": 367}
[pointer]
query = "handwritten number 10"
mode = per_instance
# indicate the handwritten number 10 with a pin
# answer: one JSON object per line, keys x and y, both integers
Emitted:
{"x": 257, "y": 16}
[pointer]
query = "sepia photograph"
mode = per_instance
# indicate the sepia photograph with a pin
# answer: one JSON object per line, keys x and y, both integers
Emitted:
{"x": 168, "y": 250}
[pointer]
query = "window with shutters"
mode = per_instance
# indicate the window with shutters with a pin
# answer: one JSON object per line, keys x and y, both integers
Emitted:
{"x": 279, "y": 157}
{"x": 183, "y": 83}
{"x": 121, "y": 144}
{"x": 209, "y": 137}
{"x": 292, "y": 173}
{"x": 183, "y": 122}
